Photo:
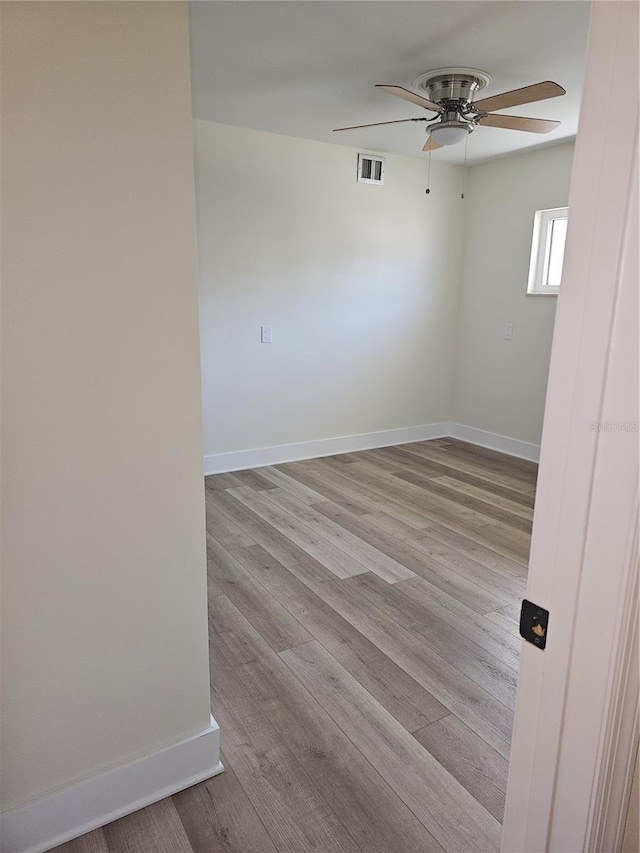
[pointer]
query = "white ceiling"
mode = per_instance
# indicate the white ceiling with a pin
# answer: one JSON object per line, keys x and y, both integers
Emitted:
{"x": 303, "y": 67}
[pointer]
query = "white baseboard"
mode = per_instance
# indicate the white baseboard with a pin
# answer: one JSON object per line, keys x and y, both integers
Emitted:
{"x": 71, "y": 812}
{"x": 239, "y": 460}
{"x": 493, "y": 441}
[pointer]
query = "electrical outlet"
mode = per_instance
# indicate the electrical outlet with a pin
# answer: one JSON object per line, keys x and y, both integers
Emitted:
{"x": 265, "y": 334}
{"x": 508, "y": 332}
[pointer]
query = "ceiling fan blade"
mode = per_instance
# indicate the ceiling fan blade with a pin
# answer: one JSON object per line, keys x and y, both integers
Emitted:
{"x": 377, "y": 123}
{"x": 406, "y": 95}
{"x": 533, "y": 125}
{"x": 431, "y": 144}
{"x": 526, "y": 95}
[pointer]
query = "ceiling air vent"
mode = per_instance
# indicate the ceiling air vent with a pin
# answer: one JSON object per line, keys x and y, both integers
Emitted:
{"x": 370, "y": 169}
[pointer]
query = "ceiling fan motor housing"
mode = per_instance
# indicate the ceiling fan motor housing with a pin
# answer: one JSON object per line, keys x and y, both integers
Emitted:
{"x": 454, "y": 89}
{"x": 452, "y": 85}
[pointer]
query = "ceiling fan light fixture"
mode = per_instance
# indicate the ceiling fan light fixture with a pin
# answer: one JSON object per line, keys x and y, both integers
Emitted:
{"x": 451, "y": 132}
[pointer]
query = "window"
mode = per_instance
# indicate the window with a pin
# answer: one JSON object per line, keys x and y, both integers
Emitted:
{"x": 547, "y": 250}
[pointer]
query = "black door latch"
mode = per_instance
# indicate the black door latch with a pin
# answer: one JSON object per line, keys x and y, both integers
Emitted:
{"x": 534, "y": 622}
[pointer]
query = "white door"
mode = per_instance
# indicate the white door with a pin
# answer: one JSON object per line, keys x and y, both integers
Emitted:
{"x": 576, "y": 724}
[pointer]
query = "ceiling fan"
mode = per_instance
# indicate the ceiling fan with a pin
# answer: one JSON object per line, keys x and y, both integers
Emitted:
{"x": 450, "y": 94}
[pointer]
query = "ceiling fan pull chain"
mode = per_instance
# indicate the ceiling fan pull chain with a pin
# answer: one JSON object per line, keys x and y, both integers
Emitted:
{"x": 464, "y": 165}
{"x": 428, "y": 189}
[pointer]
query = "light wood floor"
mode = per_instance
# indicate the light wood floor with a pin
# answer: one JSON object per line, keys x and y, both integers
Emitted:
{"x": 364, "y": 656}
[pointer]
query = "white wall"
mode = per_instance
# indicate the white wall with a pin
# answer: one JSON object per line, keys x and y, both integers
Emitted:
{"x": 361, "y": 285}
{"x": 355, "y": 280}
{"x": 104, "y": 632}
{"x": 500, "y": 385}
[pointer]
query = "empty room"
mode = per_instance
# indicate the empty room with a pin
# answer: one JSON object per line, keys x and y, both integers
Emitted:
{"x": 319, "y": 426}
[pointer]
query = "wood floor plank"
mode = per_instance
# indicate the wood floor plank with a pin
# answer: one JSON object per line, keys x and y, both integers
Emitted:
{"x": 376, "y": 561}
{"x": 230, "y": 534}
{"x": 411, "y": 554}
{"x": 338, "y": 562}
{"x": 393, "y": 458}
{"x": 337, "y": 461}
{"x": 507, "y": 533}
{"x": 482, "y": 667}
{"x": 505, "y": 622}
{"x": 454, "y": 545}
{"x": 157, "y": 827}
{"x": 503, "y": 541}
{"x": 218, "y": 817}
{"x": 408, "y": 495}
{"x": 280, "y": 479}
{"x": 220, "y": 482}
{"x": 255, "y": 480}
{"x": 478, "y": 551}
{"x": 398, "y": 528}
{"x": 440, "y": 509}
{"x": 373, "y": 815}
{"x": 453, "y": 816}
{"x": 262, "y": 533}
{"x": 472, "y": 761}
{"x": 345, "y": 457}
{"x": 379, "y": 502}
{"x": 493, "y": 459}
{"x": 275, "y": 625}
{"x": 212, "y": 587}
{"x": 482, "y": 505}
{"x": 292, "y": 809}
{"x": 489, "y": 718}
{"x": 473, "y": 625}
{"x": 512, "y": 611}
{"x": 503, "y": 579}
{"x": 468, "y": 466}
{"x": 498, "y": 584}
{"x": 336, "y": 493}
{"x": 92, "y": 842}
{"x": 525, "y": 467}
{"x": 508, "y": 504}
{"x": 401, "y": 695}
